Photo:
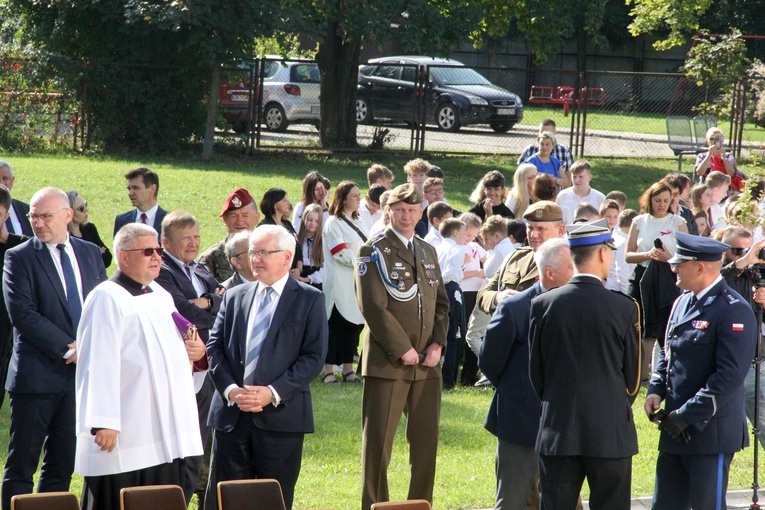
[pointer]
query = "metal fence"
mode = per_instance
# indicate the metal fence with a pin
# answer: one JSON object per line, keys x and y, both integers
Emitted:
{"x": 423, "y": 108}
{"x": 451, "y": 110}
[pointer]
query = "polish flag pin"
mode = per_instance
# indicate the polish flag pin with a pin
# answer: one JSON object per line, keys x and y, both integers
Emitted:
{"x": 738, "y": 327}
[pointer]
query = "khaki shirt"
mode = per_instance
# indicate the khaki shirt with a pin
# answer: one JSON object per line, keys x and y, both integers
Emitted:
{"x": 518, "y": 273}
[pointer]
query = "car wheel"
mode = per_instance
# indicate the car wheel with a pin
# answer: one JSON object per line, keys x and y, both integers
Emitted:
{"x": 276, "y": 119}
{"x": 448, "y": 118}
{"x": 501, "y": 127}
{"x": 363, "y": 111}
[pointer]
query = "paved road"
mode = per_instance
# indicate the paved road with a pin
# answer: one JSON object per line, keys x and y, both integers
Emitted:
{"x": 477, "y": 139}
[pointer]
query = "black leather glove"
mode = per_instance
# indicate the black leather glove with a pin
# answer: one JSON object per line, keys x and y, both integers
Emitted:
{"x": 676, "y": 427}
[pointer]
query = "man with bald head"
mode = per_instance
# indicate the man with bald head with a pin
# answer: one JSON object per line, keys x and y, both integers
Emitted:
{"x": 45, "y": 281}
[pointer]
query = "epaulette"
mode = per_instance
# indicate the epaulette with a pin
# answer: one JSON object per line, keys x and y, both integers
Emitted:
{"x": 730, "y": 298}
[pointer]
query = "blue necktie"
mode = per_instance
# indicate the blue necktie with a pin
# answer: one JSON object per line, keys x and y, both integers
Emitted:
{"x": 9, "y": 225}
{"x": 258, "y": 335}
{"x": 72, "y": 294}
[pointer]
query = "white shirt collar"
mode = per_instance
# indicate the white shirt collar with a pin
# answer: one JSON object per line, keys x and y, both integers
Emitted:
{"x": 703, "y": 293}
{"x": 278, "y": 285}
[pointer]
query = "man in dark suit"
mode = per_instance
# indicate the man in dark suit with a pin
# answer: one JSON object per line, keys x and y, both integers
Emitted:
{"x": 17, "y": 221}
{"x": 585, "y": 368}
{"x": 44, "y": 283}
{"x": 237, "y": 253}
{"x": 197, "y": 296}
{"x": 711, "y": 335}
{"x": 7, "y": 241}
{"x": 504, "y": 359}
{"x": 268, "y": 343}
{"x": 143, "y": 188}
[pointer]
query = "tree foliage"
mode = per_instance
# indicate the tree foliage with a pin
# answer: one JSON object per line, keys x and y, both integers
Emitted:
{"x": 145, "y": 63}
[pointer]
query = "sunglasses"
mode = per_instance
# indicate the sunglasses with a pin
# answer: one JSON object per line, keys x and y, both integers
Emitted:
{"x": 83, "y": 207}
{"x": 737, "y": 251}
{"x": 148, "y": 252}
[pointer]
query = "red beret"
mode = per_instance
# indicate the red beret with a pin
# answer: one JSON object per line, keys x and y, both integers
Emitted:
{"x": 236, "y": 200}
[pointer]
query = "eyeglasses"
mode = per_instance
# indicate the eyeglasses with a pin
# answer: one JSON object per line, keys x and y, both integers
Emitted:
{"x": 263, "y": 253}
{"x": 237, "y": 254}
{"x": 46, "y": 218}
{"x": 83, "y": 207}
{"x": 434, "y": 191}
{"x": 148, "y": 252}
{"x": 737, "y": 251}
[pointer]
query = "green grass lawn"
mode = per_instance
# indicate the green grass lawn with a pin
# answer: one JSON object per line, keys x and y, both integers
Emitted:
{"x": 332, "y": 456}
{"x": 648, "y": 123}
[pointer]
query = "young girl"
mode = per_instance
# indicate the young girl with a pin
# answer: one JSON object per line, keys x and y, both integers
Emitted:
{"x": 702, "y": 223}
{"x": 473, "y": 282}
{"x": 311, "y": 225}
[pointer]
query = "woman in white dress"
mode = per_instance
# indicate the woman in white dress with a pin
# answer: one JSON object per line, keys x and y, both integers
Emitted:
{"x": 343, "y": 234}
{"x": 650, "y": 244}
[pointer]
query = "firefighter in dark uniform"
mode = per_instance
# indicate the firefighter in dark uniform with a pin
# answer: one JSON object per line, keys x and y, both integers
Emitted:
{"x": 710, "y": 344}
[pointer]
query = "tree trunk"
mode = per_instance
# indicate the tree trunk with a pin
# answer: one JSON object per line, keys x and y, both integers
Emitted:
{"x": 212, "y": 113}
{"x": 338, "y": 59}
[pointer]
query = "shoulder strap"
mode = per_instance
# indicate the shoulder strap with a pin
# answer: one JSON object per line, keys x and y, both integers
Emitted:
{"x": 355, "y": 229}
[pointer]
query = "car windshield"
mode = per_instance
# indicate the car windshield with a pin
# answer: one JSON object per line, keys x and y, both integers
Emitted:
{"x": 457, "y": 76}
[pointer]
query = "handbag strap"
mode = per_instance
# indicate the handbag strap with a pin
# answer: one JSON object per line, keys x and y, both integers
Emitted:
{"x": 355, "y": 229}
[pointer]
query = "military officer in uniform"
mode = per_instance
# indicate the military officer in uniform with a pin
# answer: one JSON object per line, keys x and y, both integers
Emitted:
{"x": 710, "y": 343}
{"x": 402, "y": 297}
{"x": 240, "y": 214}
{"x": 587, "y": 378}
{"x": 519, "y": 271}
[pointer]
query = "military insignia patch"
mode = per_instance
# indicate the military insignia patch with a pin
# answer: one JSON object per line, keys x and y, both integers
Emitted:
{"x": 236, "y": 202}
{"x": 738, "y": 327}
{"x": 394, "y": 276}
{"x": 386, "y": 250}
{"x": 539, "y": 213}
{"x": 700, "y": 324}
{"x": 361, "y": 269}
{"x": 363, "y": 259}
{"x": 429, "y": 266}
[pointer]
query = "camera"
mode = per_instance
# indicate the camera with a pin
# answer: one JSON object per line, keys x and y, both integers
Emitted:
{"x": 717, "y": 140}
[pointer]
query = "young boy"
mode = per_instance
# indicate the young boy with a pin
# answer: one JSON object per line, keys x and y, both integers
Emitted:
{"x": 609, "y": 210}
{"x": 621, "y": 270}
{"x": 437, "y": 213}
{"x": 580, "y": 191}
{"x": 369, "y": 210}
{"x": 719, "y": 183}
{"x": 416, "y": 173}
{"x": 379, "y": 174}
{"x": 586, "y": 212}
{"x": 452, "y": 259}
{"x": 619, "y": 197}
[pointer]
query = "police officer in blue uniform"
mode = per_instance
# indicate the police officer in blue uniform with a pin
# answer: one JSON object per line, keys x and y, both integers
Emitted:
{"x": 710, "y": 343}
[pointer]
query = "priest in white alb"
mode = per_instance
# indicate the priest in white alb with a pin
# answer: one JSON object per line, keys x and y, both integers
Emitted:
{"x": 136, "y": 410}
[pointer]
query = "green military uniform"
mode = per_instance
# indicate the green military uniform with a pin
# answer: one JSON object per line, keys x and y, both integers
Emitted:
{"x": 214, "y": 258}
{"x": 402, "y": 297}
{"x": 518, "y": 273}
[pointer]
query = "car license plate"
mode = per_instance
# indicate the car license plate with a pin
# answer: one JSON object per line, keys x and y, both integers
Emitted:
{"x": 239, "y": 98}
{"x": 505, "y": 111}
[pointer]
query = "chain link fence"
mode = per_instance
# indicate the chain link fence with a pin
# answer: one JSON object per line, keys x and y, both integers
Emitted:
{"x": 417, "y": 106}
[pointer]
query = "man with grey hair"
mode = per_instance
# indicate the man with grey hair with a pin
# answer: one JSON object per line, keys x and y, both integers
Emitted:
{"x": 262, "y": 408}
{"x": 504, "y": 359}
{"x": 17, "y": 221}
{"x": 45, "y": 281}
{"x": 136, "y": 412}
{"x": 236, "y": 251}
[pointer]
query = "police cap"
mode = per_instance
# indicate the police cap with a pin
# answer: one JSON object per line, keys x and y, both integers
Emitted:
{"x": 702, "y": 249}
{"x": 589, "y": 234}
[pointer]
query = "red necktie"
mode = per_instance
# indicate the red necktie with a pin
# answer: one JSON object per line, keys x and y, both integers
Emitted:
{"x": 144, "y": 218}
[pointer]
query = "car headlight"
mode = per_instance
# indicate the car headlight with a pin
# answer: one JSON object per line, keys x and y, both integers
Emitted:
{"x": 518, "y": 102}
{"x": 477, "y": 100}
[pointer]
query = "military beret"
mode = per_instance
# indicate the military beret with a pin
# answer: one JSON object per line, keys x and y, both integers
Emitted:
{"x": 691, "y": 247}
{"x": 236, "y": 200}
{"x": 589, "y": 234}
{"x": 544, "y": 210}
{"x": 407, "y": 193}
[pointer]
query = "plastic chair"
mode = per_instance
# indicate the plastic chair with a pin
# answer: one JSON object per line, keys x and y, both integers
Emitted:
{"x": 153, "y": 497}
{"x": 241, "y": 494}
{"x": 680, "y": 139}
{"x": 45, "y": 501}
{"x": 412, "y": 504}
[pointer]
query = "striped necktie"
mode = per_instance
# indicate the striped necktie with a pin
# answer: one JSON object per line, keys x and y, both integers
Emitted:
{"x": 258, "y": 335}
{"x": 72, "y": 293}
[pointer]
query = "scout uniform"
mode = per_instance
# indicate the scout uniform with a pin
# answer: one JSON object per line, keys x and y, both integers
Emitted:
{"x": 519, "y": 271}
{"x": 214, "y": 258}
{"x": 710, "y": 344}
{"x": 402, "y": 297}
